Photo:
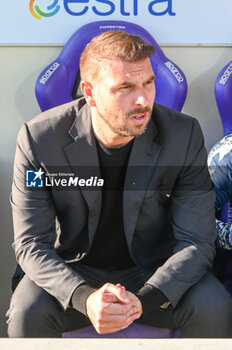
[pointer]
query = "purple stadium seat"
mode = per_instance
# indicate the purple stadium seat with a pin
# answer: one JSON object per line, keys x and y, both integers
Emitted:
{"x": 133, "y": 331}
{"x": 223, "y": 94}
{"x": 59, "y": 82}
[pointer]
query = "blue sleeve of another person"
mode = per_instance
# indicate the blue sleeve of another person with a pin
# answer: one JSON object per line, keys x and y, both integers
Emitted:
{"x": 220, "y": 166}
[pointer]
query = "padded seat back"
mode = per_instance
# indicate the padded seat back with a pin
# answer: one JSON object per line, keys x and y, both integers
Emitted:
{"x": 223, "y": 94}
{"x": 58, "y": 82}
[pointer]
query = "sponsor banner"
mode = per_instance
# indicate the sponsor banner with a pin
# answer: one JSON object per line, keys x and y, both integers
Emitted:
{"x": 169, "y": 21}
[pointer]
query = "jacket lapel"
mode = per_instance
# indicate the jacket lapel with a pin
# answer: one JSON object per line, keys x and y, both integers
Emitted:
{"x": 143, "y": 157}
{"x": 83, "y": 159}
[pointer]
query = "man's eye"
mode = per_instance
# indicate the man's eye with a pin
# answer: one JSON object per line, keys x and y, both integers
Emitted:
{"x": 125, "y": 87}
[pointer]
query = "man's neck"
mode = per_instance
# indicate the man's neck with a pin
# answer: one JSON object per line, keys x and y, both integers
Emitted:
{"x": 113, "y": 143}
{"x": 107, "y": 137}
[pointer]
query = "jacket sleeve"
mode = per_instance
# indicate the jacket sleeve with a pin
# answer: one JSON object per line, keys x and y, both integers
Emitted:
{"x": 34, "y": 220}
{"x": 193, "y": 224}
{"x": 220, "y": 167}
{"x": 224, "y": 235}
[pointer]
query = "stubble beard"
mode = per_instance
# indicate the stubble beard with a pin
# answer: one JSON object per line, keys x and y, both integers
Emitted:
{"x": 124, "y": 130}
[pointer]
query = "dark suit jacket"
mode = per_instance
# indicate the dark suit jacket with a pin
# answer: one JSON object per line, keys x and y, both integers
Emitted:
{"x": 168, "y": 201}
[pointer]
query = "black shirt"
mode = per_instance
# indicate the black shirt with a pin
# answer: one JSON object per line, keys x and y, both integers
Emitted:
{"x": 109, "y": 249}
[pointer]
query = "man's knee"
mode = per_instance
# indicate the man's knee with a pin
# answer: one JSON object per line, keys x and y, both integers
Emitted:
{"x": 24, "y": 319}
{"x": 205, "y": 309}
{"x": 32, "y": 313}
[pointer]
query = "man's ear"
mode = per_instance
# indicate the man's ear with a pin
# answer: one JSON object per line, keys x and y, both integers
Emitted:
{"x": 87, "y": 90}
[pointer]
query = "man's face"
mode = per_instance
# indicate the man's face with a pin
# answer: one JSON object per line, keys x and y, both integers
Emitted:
{"x": 124, "y": 94}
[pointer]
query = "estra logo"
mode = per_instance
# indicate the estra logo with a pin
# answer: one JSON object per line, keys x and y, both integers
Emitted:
{"x": 102, "y": 7}
{"x": 36, "y": 11}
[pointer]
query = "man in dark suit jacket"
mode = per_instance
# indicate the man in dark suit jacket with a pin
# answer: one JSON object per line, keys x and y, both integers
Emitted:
{"x": 123, "y": 229}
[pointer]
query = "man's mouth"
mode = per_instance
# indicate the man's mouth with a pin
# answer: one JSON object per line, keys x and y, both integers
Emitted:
{"x": 139, "y": 119}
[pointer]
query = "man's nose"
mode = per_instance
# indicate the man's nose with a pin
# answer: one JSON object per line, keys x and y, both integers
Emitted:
{"x": 141, "y": 99}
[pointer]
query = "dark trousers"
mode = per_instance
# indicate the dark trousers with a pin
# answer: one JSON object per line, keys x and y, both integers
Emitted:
{"x": 205, "y": 310}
